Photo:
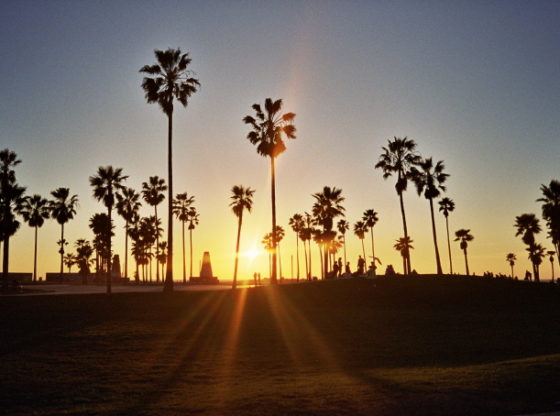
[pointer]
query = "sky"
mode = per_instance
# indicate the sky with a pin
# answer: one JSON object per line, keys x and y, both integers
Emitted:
{"x": 473, "y": 83}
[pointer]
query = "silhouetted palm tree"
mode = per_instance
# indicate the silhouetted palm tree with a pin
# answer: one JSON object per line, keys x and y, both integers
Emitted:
{"x": 464, "y": 236}
{"x": 193, "y": 222}
{"x": 551, "y": 254}
{"x": 527, "y": 226}
{"x": 268, "y": 244}
{"x": 360, "y": 230}
{"x": 269, "y": 127}
{"x": 446, "y": 205}
{"x": 297, "y": 224}
{"x": 305, "y": 235}
{"x": 342, "y": 226}
{"x": 511, "y": 258}
{"x": 63, "y": 209}
{"x": 370, "y": 218}
{"x": 429, "y": 179}
{"x": 398, "y": 158}
{"x": 69, "y": 261}
{"x": 181, "y": 206}
{"x": 162, "y": 254}
{"x": 536, "y": 253}
{"x": 35, "y": 210}
{"x": 172, "y": 80}
{"x": 153, "y": 194}
{"x": 551, "y": 212}
{"x": 106, "y": 184}
{"x": 128, "y": 204}
{"x": 327, "y": 207}
{"x": 84, "y": 252}
{"x": 100, "y": 225}
{"x": 403, "y": 246}
{"x": 241, "y": 200}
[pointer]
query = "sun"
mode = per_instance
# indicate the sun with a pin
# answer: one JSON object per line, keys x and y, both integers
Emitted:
{"x": 252, "y": 253}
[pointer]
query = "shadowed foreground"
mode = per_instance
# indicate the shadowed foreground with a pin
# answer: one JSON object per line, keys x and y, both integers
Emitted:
{"x": 415, "y": 346}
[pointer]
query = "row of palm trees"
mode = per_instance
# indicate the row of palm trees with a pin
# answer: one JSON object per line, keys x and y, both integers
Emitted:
{"x": 528, "y": 226}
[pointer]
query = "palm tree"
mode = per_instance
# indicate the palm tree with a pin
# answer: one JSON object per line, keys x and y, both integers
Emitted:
{"x": 297, "y": 224}
{"x": 536, "y": 254}
{"x": 269, "y": 127}
{"x": 446, "y": 205}
{"x": 161, "y": 255}
{"x": 128, "y": 204}
{"x": 153, "y": 194}
{"x": 360, "y": 230}
{"x": 100, "y": 225}
{"x": 106, "y": 184}
{"x": 193, "y": 222}
{"x": 241, "y": 199}
{"x": 551, "y": 212}
{"x": 429, "y": 179}
{"x": 83, "y": 253}
{"x": 551, "y": 254}
{"x": 35, "y": 210}
{"x": 305, "y": 235}
{"x": 278, "y": 236}
{"x": 342, "y": 226}
{"x": 172, "y": 80}
{"x": 404, "y": 245}
{"x": 527, "y": 226}
{"x": 181, "y": 206}
{"x": 268, "y": 244}
{"x": 398, "y": 158}
{"x": 370, "y": 218}
{"x": 69, "y": 261}
{"x": 63, "y": 209}
{"x": 511, "y": 258}
{"x": 464, "y": 236}
{"x": 327, "y": 206}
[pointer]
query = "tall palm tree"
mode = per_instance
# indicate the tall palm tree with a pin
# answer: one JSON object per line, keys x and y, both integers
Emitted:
{"x": 241, "y": 200}
{"x": 133, "y": 230}
{"x": 100, "y": 225}
{"x": 128, "y": 204}
{"x": 398, "y": 158}
{"x": 162, "y": 254}
{"x": 464, "y": 236}
{"x": 193, "y": 218}
{"x": 169, "y": 80}
{"x": 106, "y": 184}
{"x": 268, "y": 129}
{"x": 305, "y": 235}
{"x": 278, "y": 236}
{"x": 429, "y": 179}
{"x": 35, "y": 210}
{"x": 511, "y": 258}
{"x": 527, "y": 226}
{"x": 181, "y": 206}
{"x": 153, "y": 194}
{"x": 360, "y": 230}
{"x": 551, "y": 254}
{"x": 370, "y": 218}
{"x": 84, "y": 252}
{"x": 446, "y": 205}
{"x": 342, "y": 226}
{"x": 69, "y": 261}
{"x": 551, "y": 212}
{"x": 63, "y": 209}
{"x": 327, "y": 207}
{"x": 403, "y": 246}
{"x": 297, "y": 224}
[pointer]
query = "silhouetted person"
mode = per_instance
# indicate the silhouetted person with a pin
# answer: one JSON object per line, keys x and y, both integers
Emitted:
{"x": 361, "y": 266}
{"x": 528, "y": 275}
{"x": 347, "y": 268}
{"x": 339, "y": 267}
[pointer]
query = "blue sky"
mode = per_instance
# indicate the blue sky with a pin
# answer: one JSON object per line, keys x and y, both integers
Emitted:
{"x": 473, "y": 83}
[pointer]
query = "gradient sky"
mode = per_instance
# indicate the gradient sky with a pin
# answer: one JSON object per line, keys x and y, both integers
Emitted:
{"x": 474, "y": 83}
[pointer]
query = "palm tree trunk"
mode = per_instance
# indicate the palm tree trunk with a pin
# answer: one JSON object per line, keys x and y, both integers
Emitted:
{"x": 552, "y": 267}
{"x": 157, "y": 246}
{"x": 168, "y": 286}
{"x": 363, "y": 248}
{"x": 466, "y": 261}
{"x": 126, "y": 249}
{"x": 310, "y": 268}
{"x": 234, "y": 285}
{"x": 35, "y": 258}
{"x": 512, "y": 271}
{"x": 344, "y": 243}
{"x": 449, "y": 246}
{"x": 373, "y": 251}
{"x": 297, "y": 257}
{"x": 306, "y": 263}
{"x": 183, "y": 237}
{"x": 273, "y": 198}
{"x": 279, "y": 259}
{"x": 6, "y": 258}
{"x": 409, "y": 266}
{"x": 109, "y": 252}
{"x": 322, "y": 261}
{"x": 404, "y": 262}
{"x": 61, "y": 248}
{"x": 191, "y": 249}
{"x": 438, "y": 262}
{"x": 137, "y": 277}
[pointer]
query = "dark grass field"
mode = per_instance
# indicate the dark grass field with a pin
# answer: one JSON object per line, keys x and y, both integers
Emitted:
{"x": 401, "y": 346}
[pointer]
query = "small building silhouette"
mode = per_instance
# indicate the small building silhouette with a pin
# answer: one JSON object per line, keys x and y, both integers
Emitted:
{"x": 206, "y": 276}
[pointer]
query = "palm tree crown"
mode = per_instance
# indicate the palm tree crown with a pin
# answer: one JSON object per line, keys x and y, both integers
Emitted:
{"x": 241, "y": 199}
{"x": 446, "y": 205}
{"x": 527, "y": 225}
{"x": 35, "y": 210}
{"x": 63, "y": 207}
